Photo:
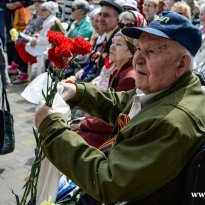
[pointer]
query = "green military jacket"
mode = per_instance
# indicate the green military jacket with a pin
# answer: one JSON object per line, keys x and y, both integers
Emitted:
{"x": 146, "y": 165}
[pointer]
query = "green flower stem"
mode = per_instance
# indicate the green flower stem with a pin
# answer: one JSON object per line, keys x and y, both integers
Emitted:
{"x": 30, "y": 186}
{"x": 56, "y": 76}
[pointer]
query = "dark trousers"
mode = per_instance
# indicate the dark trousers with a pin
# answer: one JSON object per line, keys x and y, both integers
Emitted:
{"x": 10, "y": 49}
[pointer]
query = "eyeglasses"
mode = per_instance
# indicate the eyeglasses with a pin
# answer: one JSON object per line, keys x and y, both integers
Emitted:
{"x": 122, "y": 25}
{"x": 148, "y": 5}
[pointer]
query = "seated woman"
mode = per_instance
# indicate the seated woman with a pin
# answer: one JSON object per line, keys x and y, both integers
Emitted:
{"x": 36, "y": 46}
{"x": 34, "y": 26}
{"x": 82, "y": 25}
{"x": 126, "y": 19}
{"x": 122, "y": 49}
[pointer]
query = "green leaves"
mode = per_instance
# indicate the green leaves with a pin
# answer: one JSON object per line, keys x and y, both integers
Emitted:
{"x": 30, "y": 187}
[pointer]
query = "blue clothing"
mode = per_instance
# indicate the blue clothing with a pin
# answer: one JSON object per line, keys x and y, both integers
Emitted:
{"x": 83, "y": 28}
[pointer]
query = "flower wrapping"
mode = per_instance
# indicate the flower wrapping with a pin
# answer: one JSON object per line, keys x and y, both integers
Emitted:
{"x": 33, "y": 94}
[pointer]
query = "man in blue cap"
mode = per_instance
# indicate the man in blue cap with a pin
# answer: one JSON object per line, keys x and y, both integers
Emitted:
{"x": 109, "y": 18}
{"x": 157, "y": 128}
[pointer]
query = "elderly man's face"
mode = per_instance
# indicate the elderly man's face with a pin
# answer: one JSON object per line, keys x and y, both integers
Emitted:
{"x": 108, "y": 18}
{"x": 157, "y": 62}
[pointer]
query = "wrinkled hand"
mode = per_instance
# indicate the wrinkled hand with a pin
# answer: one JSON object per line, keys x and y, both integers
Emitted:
{"x": 42, "y": 111}
{"x": 79, "y": 74}
{"x": 69, "y": 90}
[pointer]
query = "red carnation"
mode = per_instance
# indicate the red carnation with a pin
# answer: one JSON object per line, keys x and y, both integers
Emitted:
{"x": 60, "y": 55}
{"x": 56, "y": 38}
{"x": 63, "y": 48}
{"x": 70, "y": 43}
{"x": 82, "y": 46}
{"x": 51, "y": 55}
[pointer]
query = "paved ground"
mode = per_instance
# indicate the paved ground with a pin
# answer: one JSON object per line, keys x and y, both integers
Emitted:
{"x": 15, "y": 167}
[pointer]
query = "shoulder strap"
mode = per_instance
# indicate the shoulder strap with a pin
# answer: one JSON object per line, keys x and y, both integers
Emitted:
{"x": 4, "y": 97}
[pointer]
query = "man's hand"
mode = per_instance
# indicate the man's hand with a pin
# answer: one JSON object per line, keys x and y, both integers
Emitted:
{"x": 42, "y": 111}
{"x": 69, "y": 90}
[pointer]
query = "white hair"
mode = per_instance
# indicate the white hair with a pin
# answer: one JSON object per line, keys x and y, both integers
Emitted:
{"x": 95, "y": 11}
{"x": 81, "y": 4}
{"x": 50, "y": 6}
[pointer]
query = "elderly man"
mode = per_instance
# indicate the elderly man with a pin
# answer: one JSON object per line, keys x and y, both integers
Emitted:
{"x": 147, "y": 157}
{"x": 109, "y": 17}
{"x": 108, "y": 20}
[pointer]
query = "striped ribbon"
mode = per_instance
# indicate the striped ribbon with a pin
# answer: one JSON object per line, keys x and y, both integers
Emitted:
{"x": 107, "y": 146}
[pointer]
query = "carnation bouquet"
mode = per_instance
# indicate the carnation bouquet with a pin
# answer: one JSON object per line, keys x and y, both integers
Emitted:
{"x": 46, "y": 87}
{"x": 63, "y": 51}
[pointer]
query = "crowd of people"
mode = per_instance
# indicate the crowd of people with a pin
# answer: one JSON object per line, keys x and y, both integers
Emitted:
{"x": 83, "y": 18}
{"x": 137, "y": 103}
